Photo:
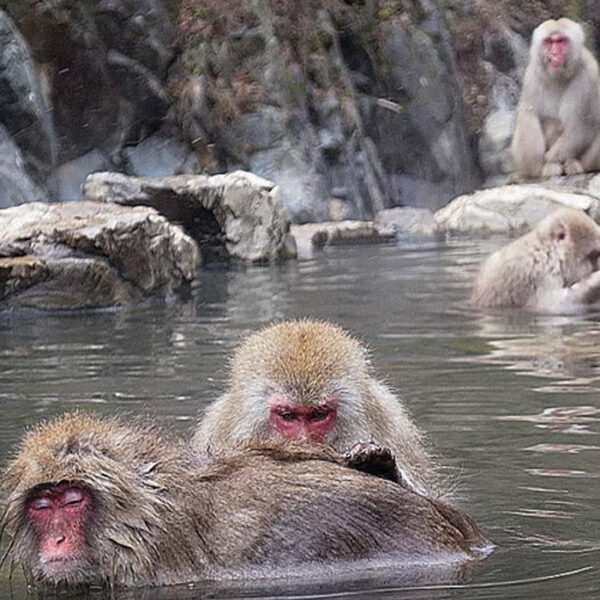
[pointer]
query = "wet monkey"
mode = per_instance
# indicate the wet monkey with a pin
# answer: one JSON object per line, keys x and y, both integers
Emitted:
{"x": 558, "y": 116}
{"x": 312, "y": 382}
{"x": 552, "y": 269}
{"x": 89, "y": 500}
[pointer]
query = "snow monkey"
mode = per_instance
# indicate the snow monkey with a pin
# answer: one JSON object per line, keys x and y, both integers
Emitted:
{"x": 311, "y": 381}
{"x": 558, "y": 116}
{"x": 552, "y": 269}
{"x": 101, "y": 501}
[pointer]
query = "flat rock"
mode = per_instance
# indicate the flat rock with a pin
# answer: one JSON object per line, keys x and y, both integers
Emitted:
{"x": 517, "y": 208}
{"x": 232, "y": 216}
{"x": 90, "y": 255}
{"x": 409, "y": 221}
{"x": 318, "y": 235}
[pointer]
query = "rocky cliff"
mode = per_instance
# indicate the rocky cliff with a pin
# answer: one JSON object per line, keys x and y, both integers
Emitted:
{"x": 350, "y": 106}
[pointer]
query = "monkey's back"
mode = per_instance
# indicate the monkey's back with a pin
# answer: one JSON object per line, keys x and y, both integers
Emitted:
{"x": 315, "y": 512}
{"x": 510, "y": 276}
{"x": 160, "y": 515}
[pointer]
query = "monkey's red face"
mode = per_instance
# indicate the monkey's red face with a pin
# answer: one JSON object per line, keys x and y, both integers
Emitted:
{"x": 302, "y": 423}
{"x": 555, "y": 50}
{"x": 58, "y": 514}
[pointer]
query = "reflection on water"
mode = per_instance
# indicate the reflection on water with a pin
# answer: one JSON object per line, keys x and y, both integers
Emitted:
{"x": 566, "y": 350}
{"x": 509, "y": 400}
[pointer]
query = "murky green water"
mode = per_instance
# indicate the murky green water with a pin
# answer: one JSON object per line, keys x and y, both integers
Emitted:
{"x": 510, "y": 402}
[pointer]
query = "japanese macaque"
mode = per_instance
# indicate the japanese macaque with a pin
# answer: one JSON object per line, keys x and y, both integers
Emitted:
{"x": 311, "y": 382}
{"x": 558, "y": 116}
{"x": 99, "y": 501}
{"x": 552, "y": 269}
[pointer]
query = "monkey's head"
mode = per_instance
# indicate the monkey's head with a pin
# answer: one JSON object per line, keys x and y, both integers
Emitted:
{"x": 556, "y": 46}
{"x": 300, "y": 380}
{"x": 80, "y": 506}
{"x": 574, "y": 238}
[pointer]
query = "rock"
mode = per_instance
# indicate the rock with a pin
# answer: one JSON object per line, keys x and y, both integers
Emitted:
{"x": 409, "y": 221}
{"x": 69, "y": 177}
{"x": 494, "y": 143}
{"x": 140, "y": 29}
{"x": 156, "y": 156}
{"x": 318, "y": 235}
{"x": 90, "y": 255}
{"x": 367, "y": 103}
{"x": 25, "y": 112}
{"x": 232, "y": 216}
{"x": 504, "y": 60}
{"x": 16, "y": 187}
{"x": 423, "y": 145}
{"x": 515, "y": 208}
{"x": 143, "y": 91}
{"x": 338, "y": 210}
{"x": 104, "y": 65}
{"x": 266, "y": 144}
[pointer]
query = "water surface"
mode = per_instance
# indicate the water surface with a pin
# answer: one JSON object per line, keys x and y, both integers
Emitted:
{"x": 510, "y": 401}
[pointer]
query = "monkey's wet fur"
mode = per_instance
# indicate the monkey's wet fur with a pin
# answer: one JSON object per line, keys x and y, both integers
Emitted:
{"x": 312, "y": 382}
{"x": 91, "y": 500}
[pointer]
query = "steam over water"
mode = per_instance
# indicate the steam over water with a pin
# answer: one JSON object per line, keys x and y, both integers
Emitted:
{"x": 510, "y": 401}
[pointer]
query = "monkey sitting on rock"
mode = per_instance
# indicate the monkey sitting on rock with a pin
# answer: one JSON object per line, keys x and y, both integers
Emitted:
{"x": 311, "y": 382}
{"x": 558, "y": 117}
{"x": 99, "y": 501}
{"x": 552, "y": 269}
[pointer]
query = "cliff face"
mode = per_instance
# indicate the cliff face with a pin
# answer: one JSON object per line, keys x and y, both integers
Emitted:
{"x": 350, "y": 106}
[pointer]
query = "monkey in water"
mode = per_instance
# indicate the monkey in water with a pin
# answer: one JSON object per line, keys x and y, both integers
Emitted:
{"x": 312, "y": 382}
{"x": 552, "y": 269}
{"x": 558, "y": 117}
{"x": 99, "y": 501}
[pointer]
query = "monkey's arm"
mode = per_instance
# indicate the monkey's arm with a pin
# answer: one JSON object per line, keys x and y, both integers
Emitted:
{"x": 587, "y": 291}
{"x": 375, "y": 460}
{"x": 571, "y": 299}
{"x": 580, "y": 115}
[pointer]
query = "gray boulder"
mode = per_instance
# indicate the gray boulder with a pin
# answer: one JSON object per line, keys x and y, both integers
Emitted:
{"x": 516, "y": 208}
{"x": 90, "y": 255}
{"x": 232, "y": 216}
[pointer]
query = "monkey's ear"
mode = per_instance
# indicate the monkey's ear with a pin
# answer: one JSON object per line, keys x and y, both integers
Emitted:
{"x": 559, "y": 231}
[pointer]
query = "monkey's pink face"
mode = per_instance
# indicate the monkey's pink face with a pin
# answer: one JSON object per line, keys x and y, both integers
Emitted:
{"x": 58, "y": 514}
{"x": 555, "y": 50}
{"x": 307, "y": 424}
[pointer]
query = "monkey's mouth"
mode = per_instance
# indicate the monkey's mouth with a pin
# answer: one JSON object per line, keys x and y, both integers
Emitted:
{"x": 63, "y": 567}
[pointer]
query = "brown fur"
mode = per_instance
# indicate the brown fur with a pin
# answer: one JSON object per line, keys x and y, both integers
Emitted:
{"x": 306, "y": 360}
{"x": 552, "y": 269}
{"x": 160, "y": 517}
{"x": 558, "y": 117}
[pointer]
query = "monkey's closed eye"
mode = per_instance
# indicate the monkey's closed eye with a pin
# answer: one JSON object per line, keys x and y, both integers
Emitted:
{"x": 319, "y": 415}
{"x": 40, "y": 504}
{"x": 288, "y": 416}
